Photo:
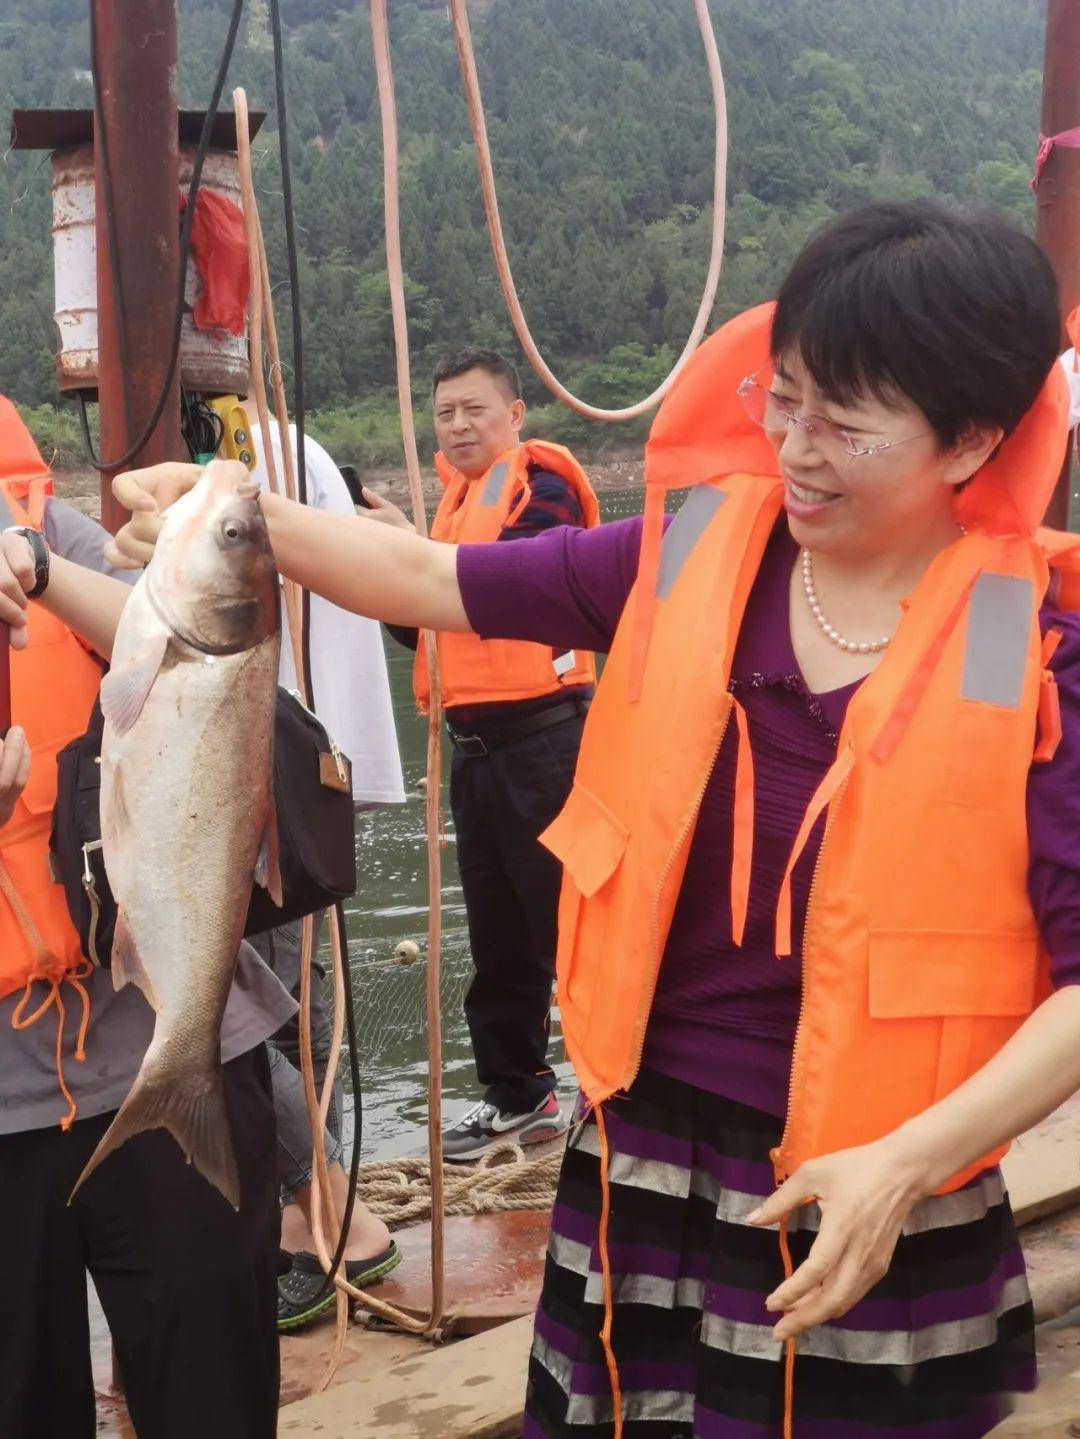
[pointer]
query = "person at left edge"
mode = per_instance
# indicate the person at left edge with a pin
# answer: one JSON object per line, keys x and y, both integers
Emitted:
{"x": 188, "y": 1285}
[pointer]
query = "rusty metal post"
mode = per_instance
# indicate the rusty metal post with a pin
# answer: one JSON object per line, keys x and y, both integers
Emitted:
{"x": 1058, "y": 195}
{"x": 137, "y": 60}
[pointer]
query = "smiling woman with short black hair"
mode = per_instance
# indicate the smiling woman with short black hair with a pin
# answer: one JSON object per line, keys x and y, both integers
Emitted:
{"x": 820, "y": 927}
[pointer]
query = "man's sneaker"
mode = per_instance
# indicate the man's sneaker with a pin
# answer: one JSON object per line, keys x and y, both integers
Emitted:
{"x": 485, "y": 1125}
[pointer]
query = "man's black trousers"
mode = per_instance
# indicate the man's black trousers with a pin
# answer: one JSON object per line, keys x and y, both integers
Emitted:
{"x": 188, "y": 1285}
{"x": 501, "y": 803}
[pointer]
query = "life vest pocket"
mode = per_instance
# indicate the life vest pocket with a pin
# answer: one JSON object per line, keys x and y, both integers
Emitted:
{"x": 950, "y": 1001}
{"x": 936, "y": 973}
{"x": 590, "y": 841}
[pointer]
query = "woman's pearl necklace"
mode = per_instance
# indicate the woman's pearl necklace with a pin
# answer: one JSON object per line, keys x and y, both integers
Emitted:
{"x": 853, "y": 647}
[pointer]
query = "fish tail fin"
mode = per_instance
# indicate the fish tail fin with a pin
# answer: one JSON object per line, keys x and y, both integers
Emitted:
{"x": 193, "y": 1110}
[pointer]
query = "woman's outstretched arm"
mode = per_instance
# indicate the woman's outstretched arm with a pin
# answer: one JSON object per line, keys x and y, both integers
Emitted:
{"x": 371, "y": 569}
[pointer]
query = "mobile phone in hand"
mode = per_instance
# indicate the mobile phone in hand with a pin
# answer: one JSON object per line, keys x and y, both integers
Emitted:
{"x": 356, "y": 489}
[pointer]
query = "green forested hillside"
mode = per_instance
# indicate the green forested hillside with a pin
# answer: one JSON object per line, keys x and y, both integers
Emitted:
{"x": 601, "y": 128}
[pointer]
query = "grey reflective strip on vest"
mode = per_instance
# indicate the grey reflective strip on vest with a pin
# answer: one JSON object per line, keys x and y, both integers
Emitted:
{"x": 998, "y": 634}
{"x": 494, "y": 487}
{"x": 688, "y": 526}
{"x": 7, "y": 519}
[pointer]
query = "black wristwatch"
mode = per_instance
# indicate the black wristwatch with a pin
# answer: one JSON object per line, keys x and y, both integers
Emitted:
{"x": 40, "y": 549}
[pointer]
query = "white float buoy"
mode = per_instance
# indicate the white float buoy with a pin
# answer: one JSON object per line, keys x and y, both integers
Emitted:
{"x": 407, "y": 952}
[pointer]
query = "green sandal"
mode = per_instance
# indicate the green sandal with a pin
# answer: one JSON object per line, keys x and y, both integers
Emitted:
{"x": 303, "y": 1293}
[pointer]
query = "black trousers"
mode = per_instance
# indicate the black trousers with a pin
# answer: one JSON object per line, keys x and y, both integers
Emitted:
{"x": 501, "y": 802}
{"x": 188, "y": 1285}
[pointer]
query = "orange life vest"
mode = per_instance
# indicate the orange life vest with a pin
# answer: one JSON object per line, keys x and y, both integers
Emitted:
{"x": 921, "y": 955}
{"x": 476, "y": 671}
{"x": 54, "y": 683}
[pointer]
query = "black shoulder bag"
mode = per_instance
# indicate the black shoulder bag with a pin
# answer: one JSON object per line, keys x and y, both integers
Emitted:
{"x": 315, "y": 818}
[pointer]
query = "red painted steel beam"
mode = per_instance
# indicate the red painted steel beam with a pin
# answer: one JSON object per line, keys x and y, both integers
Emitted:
{"x": 1058, "y": 195}
{"x": 137, "y": 61}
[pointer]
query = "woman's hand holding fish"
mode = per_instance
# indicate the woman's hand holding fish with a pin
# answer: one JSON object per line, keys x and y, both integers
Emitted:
{"x": 16, "y": 582}
{"x": 147, "y": 493}
{"x": 14, "y": 770}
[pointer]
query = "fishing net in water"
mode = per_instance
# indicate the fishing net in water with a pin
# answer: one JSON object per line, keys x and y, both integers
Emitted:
{"x": 390, "y": 999}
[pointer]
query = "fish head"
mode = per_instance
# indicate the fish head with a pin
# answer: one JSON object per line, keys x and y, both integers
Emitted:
{"x": 213, "y": 579}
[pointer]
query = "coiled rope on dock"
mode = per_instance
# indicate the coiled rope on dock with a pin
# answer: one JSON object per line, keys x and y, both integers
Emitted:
{"x": 506, "y": 1178}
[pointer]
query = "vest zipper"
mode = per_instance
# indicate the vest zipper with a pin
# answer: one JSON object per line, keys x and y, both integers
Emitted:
{"x": 777, "y": 1155}
{"x": 654, "y": 942}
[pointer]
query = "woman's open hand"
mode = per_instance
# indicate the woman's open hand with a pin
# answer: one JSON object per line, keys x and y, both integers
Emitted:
{"x": 865, "y": 1195}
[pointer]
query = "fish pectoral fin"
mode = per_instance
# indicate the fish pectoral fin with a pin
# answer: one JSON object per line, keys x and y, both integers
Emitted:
{"x": 268, "y": 864}
{"x": 127, "y": 962}
{"x": 125, "y": 688}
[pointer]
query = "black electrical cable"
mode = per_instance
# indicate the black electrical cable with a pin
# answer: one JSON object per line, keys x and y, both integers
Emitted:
{"x": 201, "y": 427}
{"x": 158, "y": 408}
{"x": 338, "y": 917}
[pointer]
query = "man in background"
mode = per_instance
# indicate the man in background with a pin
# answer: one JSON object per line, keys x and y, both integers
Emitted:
{"x": 515, "y": 713}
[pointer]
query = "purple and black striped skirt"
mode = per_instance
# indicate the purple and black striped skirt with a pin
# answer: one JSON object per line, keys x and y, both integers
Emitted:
{"x": 934, "y": 1351}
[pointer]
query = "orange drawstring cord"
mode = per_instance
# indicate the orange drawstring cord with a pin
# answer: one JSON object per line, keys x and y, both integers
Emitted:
{"x": 823, "y": 796}
{"x": 605, "y": 1270}
{"x": 45, "y": 963}
{"x": 54, "y": 996}
{"x": 69, "y": 1118}
{"x": 789, "y": 1344}
{"x": 742, "y": 839}
{"x": 75, "y": 979}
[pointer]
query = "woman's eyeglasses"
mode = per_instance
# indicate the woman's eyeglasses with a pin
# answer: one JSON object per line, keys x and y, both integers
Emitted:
{"x": 773, "y": 412}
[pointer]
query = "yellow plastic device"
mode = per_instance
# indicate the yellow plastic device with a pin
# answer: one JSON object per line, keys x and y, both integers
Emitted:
{"x": 237, "y": 442}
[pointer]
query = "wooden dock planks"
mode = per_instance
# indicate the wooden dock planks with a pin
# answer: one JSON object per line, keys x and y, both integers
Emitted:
{"x": 474, "y": 1389}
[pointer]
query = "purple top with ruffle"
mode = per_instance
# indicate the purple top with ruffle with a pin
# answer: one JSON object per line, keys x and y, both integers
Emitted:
{"x": 724, "y": 1018}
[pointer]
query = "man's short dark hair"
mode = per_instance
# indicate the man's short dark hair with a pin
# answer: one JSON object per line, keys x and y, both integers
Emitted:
{"x": 956, "y": 310}
{"x": 462, "y": 361}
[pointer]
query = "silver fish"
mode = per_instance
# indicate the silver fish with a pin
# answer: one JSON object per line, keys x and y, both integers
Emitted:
{"x": 187, "y": 816}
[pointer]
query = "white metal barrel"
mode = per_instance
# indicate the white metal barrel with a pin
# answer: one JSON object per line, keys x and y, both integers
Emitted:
{"x": 211, "y": 361}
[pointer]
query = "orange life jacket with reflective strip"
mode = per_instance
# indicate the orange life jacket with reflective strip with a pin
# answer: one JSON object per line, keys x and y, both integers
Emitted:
{"x": 54, "y": 682}
{"x": 921, "y": 945}
{"x": 472, "y": 512}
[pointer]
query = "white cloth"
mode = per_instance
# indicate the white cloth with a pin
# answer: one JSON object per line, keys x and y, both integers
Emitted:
{"x": 348, "y": 664}
{"x": 1072, "y": 374}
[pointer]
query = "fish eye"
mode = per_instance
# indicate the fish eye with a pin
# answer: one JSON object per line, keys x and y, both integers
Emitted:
{"x": 233, "y": 531}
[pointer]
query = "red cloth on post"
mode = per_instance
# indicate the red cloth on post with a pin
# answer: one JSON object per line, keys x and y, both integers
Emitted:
{"x": 219, "y": 249}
